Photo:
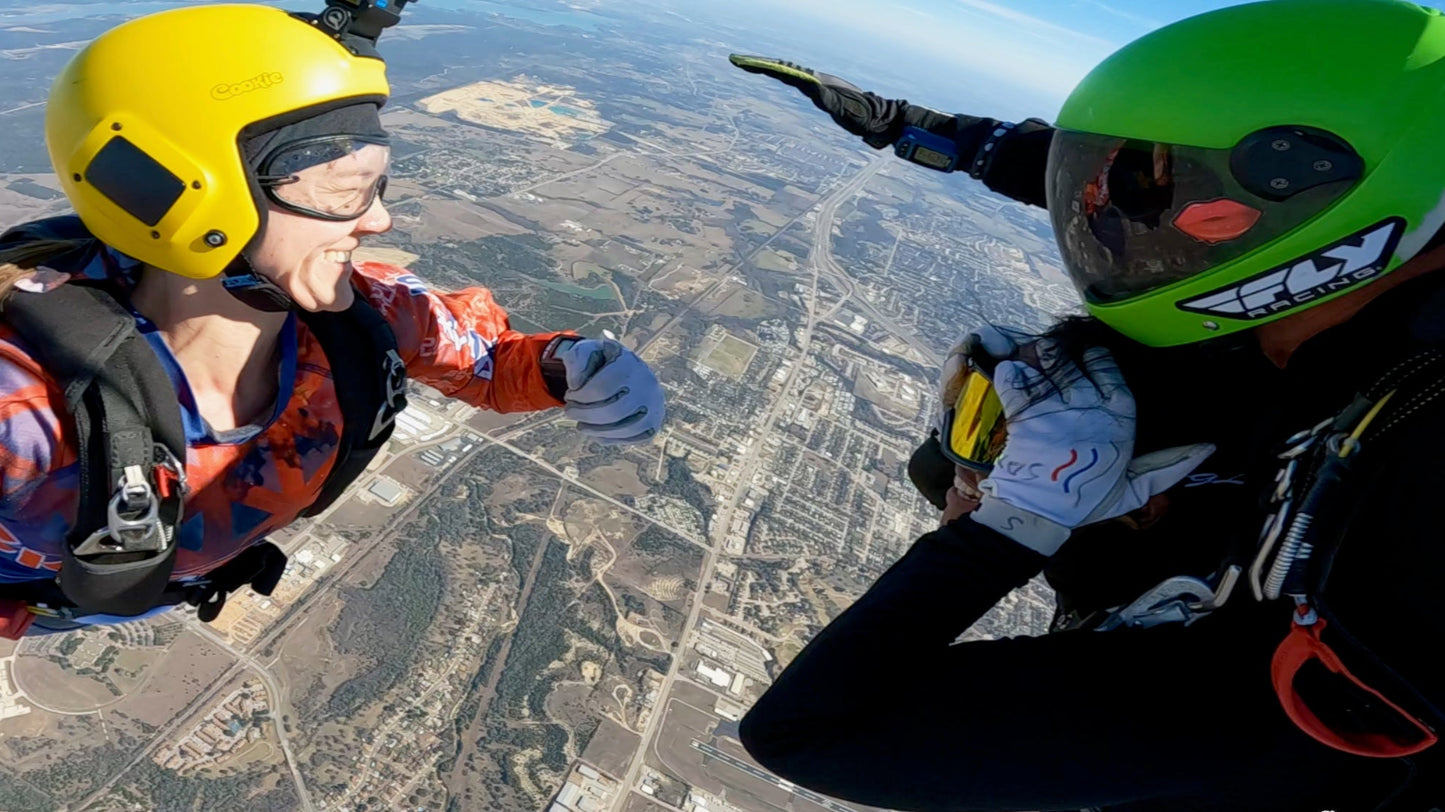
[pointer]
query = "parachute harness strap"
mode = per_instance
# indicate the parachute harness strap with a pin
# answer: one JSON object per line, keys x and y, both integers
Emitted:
{"x": 1308, "y": 484}
{"x": 1303, "y": 492}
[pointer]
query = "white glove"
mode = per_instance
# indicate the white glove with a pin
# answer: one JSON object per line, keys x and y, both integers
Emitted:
{"x": 611, "y": 393}
{"x": 1068, "y": 460}
{"x": 997, "y": 342}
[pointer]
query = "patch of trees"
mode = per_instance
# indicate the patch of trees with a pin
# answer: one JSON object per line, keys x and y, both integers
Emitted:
{"x": 656, "y": 544}
{"x": 525, "y": 538}
{"x": 640, "y": 658}
{"x": 538, "y": 639}
{"x": 592, "y": 617}
{"x": 17, "y": 797}
{"x": 631, "y": 604}
{"x": 626, "y": 284}
{"x": 536, "y": 503}
{"x": 522, "y": 255}
{"x": 549, "y": 738}
{"x": 600, "y": 456}
{"x": 80, "y": 771}
{"x": 283, "y": 797}
{"x": 554, "y": 747}
{"x": 582, "y": 734}
{"x": 168, "y": 790}
{"x": 387, "y": 622}
{"x": 25, "y": 746}
{"x": 458, "y": 520}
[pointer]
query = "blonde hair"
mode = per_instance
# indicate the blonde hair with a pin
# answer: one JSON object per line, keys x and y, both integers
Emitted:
{"x": 21, "y": 261}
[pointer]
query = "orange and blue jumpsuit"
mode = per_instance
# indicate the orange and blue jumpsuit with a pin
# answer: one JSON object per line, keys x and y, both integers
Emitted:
{"x": 251, "y": 481}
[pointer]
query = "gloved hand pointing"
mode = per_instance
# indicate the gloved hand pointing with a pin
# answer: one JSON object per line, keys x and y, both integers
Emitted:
{"x": 611, "y": 393}
{"x": 878, "y": 120}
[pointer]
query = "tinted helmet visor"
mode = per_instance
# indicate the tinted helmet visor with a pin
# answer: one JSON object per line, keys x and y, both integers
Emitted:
{"x": 1133, "y": 216}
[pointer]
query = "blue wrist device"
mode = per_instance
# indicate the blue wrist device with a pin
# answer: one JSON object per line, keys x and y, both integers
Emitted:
{"x": 926, "y": 149}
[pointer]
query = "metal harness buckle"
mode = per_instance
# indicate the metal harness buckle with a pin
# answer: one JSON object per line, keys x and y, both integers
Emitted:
{"x": 133, "y": 521}
{"x": 1180, "y": 599}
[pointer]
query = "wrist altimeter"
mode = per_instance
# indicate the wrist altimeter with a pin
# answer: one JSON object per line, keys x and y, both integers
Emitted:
{"x": 924, "y": 148}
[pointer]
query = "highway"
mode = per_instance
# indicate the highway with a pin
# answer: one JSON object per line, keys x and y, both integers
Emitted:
{"x": 822, "y": 234}
{"x": 759, "y": 773}
{"x": 823, "y": 258}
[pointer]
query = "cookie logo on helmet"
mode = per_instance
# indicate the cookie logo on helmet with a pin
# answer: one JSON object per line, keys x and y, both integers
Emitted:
{"x": 1358, "y": 258}
{"x": 227, "y": 91}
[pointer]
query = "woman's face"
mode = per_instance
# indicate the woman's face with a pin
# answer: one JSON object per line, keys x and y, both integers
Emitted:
{"x": 308, "y": 257}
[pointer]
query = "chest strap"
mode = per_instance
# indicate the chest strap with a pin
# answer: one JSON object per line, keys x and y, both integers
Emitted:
{"x": 130, "y": 444}
{"x": 370, "y": 381}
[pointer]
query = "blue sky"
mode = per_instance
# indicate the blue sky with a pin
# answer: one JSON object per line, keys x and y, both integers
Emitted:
{"x": 1022, "y": 55}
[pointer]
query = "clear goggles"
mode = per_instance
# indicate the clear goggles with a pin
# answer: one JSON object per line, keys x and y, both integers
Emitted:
{"x": 330, "y": 177}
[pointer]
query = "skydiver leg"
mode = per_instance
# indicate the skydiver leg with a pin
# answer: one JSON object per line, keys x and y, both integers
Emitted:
{"x": 881, "y": 709}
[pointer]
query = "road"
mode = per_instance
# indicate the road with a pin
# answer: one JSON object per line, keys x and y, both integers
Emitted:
{"x": 727, "y": 274}
{"x": 204, "y": 630}
{"x": 564, "y": 176}
{"x": 736, "y": 763}
{"x": 551, "y": 469}
{"x": 823, "y": 257}
{"x": 822, "y": 234}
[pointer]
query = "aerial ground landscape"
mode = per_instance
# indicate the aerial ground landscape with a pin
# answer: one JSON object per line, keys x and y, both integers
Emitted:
{"x": 501, "y": 615}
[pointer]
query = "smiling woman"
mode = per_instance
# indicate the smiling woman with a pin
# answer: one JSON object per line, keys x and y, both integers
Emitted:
{"x": 240, "y": 368}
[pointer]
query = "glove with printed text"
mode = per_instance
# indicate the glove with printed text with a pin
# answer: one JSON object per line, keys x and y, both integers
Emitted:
{"x": 1068, "y": 461}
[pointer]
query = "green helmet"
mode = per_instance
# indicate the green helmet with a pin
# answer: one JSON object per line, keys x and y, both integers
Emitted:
{"x": 1248, "y": 163}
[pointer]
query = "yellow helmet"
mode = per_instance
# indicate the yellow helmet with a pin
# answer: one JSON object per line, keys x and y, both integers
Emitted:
{"x": 144, "y": 125}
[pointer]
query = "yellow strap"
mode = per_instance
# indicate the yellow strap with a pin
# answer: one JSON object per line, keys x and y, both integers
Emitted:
{"x": 1353, "y": 441}
{"x": 771, "y": 66}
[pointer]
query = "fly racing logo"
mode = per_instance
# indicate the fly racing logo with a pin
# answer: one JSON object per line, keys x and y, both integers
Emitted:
{"x": 1357, "y": 258}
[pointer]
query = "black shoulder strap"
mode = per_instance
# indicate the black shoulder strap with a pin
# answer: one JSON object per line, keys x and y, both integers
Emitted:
{"x": 131, "y": 444}
{"x": 370, "y": 381}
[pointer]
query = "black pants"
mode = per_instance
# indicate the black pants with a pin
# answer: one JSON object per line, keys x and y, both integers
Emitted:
{"x": 883, "y": 709}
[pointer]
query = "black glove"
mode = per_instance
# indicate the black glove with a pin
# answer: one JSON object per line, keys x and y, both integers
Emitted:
{"x": 1009, "y": 159}
{"x": 878, "y": 120}
{"x": 261, "y": 566}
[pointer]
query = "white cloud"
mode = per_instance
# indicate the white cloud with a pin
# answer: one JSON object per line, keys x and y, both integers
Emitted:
{"x": 1148, "y": 23}
{"x": 1037, "y": 26}
{"x": 988, "y": 40}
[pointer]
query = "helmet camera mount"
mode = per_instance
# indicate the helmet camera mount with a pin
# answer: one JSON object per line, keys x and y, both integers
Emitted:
{"x": 358, "y": 23}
